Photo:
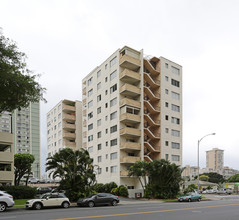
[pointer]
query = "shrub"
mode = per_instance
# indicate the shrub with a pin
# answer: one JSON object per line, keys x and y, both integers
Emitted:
{"x": 123, "y": 191}
{"x": 109, "y": 186}
{"x": 99, "y": 187}
{"x": 20, "y": 192}
{"x": 115, "y": 191}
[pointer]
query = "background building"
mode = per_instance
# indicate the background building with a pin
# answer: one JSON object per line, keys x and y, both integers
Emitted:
{"x": 64, "y": 126}
{"x": 215, "y": 159}
{"x": 190, "y": 172}
{"x": 132, "y": 110}
{"x": 24, "y": 124}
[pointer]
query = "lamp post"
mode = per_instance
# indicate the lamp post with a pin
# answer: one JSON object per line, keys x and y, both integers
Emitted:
{"x": 198, "y": 154}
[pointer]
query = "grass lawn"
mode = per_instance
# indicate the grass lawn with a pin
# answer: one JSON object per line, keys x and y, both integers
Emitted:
{"x": 20, "y": 203}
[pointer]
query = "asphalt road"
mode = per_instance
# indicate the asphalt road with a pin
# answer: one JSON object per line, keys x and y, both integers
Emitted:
{"x": 208, "y": 210}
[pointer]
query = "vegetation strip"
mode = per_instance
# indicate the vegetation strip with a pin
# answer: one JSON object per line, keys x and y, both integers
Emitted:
{"x": 138, "y": 213}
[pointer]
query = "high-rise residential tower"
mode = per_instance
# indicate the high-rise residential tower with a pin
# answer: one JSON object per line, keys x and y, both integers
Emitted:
{"x": 24, "y": 124}
{"x": 215, "y": 159}
{"x": 64, "y": 126}
{"x": 132, "y": 110}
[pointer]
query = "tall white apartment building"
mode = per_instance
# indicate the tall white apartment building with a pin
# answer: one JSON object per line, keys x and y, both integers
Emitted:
{"x": 132, "y": 111}
{"x": 24, "y": 124}
{"x": 64, "y": 126}
{"x": 215, "y": 159}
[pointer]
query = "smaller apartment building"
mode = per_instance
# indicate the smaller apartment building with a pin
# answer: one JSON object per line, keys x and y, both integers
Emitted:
{"x": 64, "y": 127}
{"x": 6, "y": 158}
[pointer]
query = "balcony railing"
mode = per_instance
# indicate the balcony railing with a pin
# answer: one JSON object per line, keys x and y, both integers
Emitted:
{"x": 129, "y": 159}
{"x": 129, "y": 76}
{"x": 129, "y": 62}
{"x": 130, "y": 90}
{"x": 69, "y": 117}
{"x": 130, "y": 146}
{"x": 130, "y": 131}
{"x": 127, "y": 117}
{"x": 130, "y": 102}
{"x": 68, "y": 108}
{"x": 124, "y": 173}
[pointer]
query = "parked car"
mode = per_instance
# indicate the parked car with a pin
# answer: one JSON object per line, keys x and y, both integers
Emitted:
{"x": 225, "y": 191}
{"x": 190, "y": 197}
{"x": 33, "y": 180}
{"x": 48, "y": 200}
{"x": 6, "y": 201}
{"x": 99, "y": 199}
{"x": 43, "y": 190}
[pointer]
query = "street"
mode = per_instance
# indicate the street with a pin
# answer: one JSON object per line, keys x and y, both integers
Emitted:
{"x": 209, "y": 210}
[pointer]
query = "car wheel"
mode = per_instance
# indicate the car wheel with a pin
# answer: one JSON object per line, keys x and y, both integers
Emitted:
{"x": 3, "y": 206}
{"x": 65, "y": 205}
{"x": 114, "y": 203}
{"x": 37, "y": 206}
{"x": 180, "y": 200}
{"x": 199, "y": 199}
{"x": 189, "y": 200}
{"x": 91, "y": 204}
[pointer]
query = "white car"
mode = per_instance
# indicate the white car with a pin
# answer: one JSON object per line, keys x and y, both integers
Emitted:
{"x": 6, "y": 200}
{"x": 33, "y": 180}
{"x": 48, "y": 200}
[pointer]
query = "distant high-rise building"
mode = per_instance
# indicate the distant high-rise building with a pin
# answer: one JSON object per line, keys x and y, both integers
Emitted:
{"x": 24, "y": 124}
{"x": 215, "y": 159}
{"x": 64, "y": 126}
{"x": 132, "y": 111}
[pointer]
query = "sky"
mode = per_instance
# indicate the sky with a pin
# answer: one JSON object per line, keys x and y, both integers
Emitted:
{"x": 64, "y": 40}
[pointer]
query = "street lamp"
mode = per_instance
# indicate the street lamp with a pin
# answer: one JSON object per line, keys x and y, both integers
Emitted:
{"x": 198, "y": 154}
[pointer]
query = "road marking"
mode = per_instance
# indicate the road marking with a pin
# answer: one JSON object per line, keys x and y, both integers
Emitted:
{"x": 9, "y": 217}
{"x": 138, "y": 213}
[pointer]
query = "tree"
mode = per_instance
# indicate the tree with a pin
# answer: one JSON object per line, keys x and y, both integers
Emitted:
{"x": 23, "y": 165}
{"x": 76, "y": 170}
{"x": 203, "y": 178}
{"x": 17, "y": 85}
{"x": 234, "y": 178}
{"x": 214, "y": 177}
{"x": 139, "y": 169}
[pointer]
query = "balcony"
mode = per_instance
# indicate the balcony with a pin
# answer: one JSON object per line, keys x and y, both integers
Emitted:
{"x": 84, "y": 91}
{"x": 129, "y": 102}
{"x": 130, "y": 90}
{"x": 129, "y": 76}
{"x": 84, "y": 102}
{"x": 69, "y": 117}
{"x": 124, "y": 173}
{"x": 68, "y": 135}
{"x": 6, "y": 157}
{"x": 130, "y": 146}
{"x": 69, "y": 126}
{"x": 129, "y": 159}
{"x": 84, "y": 112}
{"x": 7, "y": 176}
{"x": 68, "y": 108}
{"x": 129, "y": 62}
{"x": 127, "y": 117}
{"x": 130, "y": 132}
{"x": 69, "y": 144}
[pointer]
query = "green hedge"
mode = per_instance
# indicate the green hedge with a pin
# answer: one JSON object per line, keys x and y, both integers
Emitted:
{"x": 20, "y": 192}
{"x": 120, "y": 191}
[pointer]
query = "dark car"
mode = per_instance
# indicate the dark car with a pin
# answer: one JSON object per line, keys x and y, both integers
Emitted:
{"x": 99, "y": 199}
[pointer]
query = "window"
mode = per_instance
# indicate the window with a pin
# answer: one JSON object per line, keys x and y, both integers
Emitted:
{"x": 106, "y": 105}
{"x": 106, "y": 156}
{"x": 113, "y": 156}
{"x": 90, "y": 81}
{"x": 99, "y": 122}
{"x": 98, "y": 98}
{"x": 106, "y": 118}
{"x": 166, "y": 156}
{"x": 113, "y": 169}
{"x": 166, "y": 117}
{"x": 166, "y": 130}
{"x": 90, "y": 92}
{"x": 166, "y": 78}
{"x": 113, "y": 88}
{"x": 113, "y": 129}
{"x": 99, "y": 110}
{"x": 99, "y": 147}
{"x": 106, "y": 92}
{"x": 175, "y": 108}
{"x": 175, "y": 96}
{"x": 113, "y": 102}
{"x": 90, "y": 104}
{"x": 166, "y": 143}
{"x": 90, "y": 149}
{"x": 59, "y": 115}
{"x": 113, "y": 142}
{"x": 175, "y": 145}
{"x": 106, "y": 130}
{"x": 175, "y": 82}
{"x": 113, "y": 61}
{"x": 106, "y": 143}
{"x": 106, "y": 169}
{"x": 99, "y": 86}
{"x": 98, "y": 73}
{"x": 90, "y": 138}
{"x": 90, "y": 126}
{"x": 175, "y": 120}
{"x": 175, "y": 70}
{"x": 113, "y": 75}
{"x": 175, "y": 133}
{"x": 113, "y": 115}
{"x": 99, "y": 170}
{"x": 106, "y": 66}
{"x": 106, "y": 79}
{"x": 99, "y": 134}
{"x": 175, "y": 158}
{"x": 166, "y": 91}
{"x": 166, "y": 104}
{"x": 90, "y": 115}
{"x": 166, "y": 65}
{"x": 99, "y": 159}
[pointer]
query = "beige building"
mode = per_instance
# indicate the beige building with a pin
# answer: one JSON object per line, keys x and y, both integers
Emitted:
{"x": 215, "y": 159}
{"x": 6, "y": 158}
{"x": 64, "y": 126}
{"x": 132, "y": 110}
{"x": 228, "y": 172}
{"x": 190, "y": 172}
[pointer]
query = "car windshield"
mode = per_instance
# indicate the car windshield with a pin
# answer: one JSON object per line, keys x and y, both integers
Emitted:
{"x": 90, "y": 196}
